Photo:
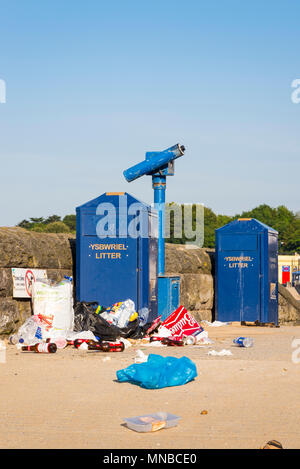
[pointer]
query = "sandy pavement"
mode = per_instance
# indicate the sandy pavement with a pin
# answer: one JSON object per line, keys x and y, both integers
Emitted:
{"x": 71, "y": 399}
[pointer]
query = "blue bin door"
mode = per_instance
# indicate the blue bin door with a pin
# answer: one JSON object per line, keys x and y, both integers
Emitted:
{"x": 273, "y": 279}
{"x": 239, "y": 282}
{"x": 105, "y": 278}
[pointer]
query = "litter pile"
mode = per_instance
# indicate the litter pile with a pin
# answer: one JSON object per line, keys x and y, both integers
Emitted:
{"x": 57, "y": 323}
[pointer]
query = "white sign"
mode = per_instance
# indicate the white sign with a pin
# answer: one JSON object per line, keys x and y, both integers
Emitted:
{"x": 23, "y": 279}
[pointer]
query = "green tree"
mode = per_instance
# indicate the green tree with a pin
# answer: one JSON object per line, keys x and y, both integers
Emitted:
{"x": 52, "y": 219}
{"x": 57, "y": 227}
{"x": 24, "y": 224}
{"x": 70, "y": 221}
{"x": 37, "y": 220}
{"x": 263, "y": 213}
{"x": 39, "y": 227}
{"x": 223, "y": 220}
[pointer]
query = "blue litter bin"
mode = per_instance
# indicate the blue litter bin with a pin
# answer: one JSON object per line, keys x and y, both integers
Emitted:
{"x": 116, "y": 252}
{"x": 246, "y": 287}
{"x": 168, "y": 295}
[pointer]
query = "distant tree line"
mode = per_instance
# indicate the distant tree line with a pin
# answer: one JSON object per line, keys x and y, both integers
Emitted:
{"x": 281, "y": 219}
{"x": 52, "y": 224}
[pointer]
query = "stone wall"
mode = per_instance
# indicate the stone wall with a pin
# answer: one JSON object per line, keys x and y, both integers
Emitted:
{"x": 194, "y": 266}
{"x": 21, "y": 248}
{"x": 289, "y": 307}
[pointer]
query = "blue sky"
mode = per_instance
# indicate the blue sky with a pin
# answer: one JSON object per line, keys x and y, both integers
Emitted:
{"x": 92, "y": 85}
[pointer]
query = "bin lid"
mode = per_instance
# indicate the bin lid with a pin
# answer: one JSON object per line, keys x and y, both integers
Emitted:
{"x": 112, "y": 197}
{"x": 245, "y": 225}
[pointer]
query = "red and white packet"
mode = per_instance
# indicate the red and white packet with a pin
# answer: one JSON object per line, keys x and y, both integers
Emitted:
{"x": 181, "y": 323}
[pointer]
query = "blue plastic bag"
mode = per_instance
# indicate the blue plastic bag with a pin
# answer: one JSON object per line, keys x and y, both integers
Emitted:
{"x": 159, "y": 372}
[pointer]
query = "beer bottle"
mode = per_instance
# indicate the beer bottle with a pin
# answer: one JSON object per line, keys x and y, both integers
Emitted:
{"x": 78, "y": 342}
{"x": 172, "y": 342}
{"x": 107, "y": 346}
{"x": 40, "y": 348}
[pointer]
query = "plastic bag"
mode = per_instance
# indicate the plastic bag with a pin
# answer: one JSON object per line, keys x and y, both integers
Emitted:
{"x": 159, "y": 372}
{"x": 84, "y": 316}
{"x": 87, "y": 318}
{"x": 53, "y": 304}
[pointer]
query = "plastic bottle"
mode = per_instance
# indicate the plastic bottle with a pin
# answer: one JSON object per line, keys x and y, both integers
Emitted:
{"x": 30, "y": 332}
{"x": 70, "y": 279}
{"x": 14, "y": 339}
{"x": 124, "y": 313}
{"x": 40, "y": 348}
{"x": 244, "y": 342}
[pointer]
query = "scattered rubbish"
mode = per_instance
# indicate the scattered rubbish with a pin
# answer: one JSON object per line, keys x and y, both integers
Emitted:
{"x": 140, "y": 357}
{"x": 244, "y": 342}
{"x": 272, "y": 444}
{"x": 60, "y": 342}
{"x": 204, "y": 412}
{"x": 152, "y": 422}
{"x": 90, "y": 326}
{"x": 159, "y": 372}
{"x": 106, "y": 359}
{"x": 216, "y": 323}
{"x": 203, "y": 339}
{"x": 222, "y": 353}
{"x": 40, "y": 348}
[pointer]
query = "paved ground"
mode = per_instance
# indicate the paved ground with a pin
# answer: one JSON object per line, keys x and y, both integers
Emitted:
{"x": 72, "y": 400}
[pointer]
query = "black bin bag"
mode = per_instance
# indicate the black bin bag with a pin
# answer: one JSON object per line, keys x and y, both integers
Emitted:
{"x": 86, "y": 319}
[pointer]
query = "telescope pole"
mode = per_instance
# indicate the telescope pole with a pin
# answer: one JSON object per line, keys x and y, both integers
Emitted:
{"x": 159, "y": 186}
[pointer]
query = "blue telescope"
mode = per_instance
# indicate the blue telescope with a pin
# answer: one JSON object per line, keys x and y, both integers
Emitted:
{"x": 155, "y": 161}
{"x": 159, "y": 165}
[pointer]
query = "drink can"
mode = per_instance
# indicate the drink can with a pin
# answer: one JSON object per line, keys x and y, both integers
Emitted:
{"x": 189, "y": 339}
